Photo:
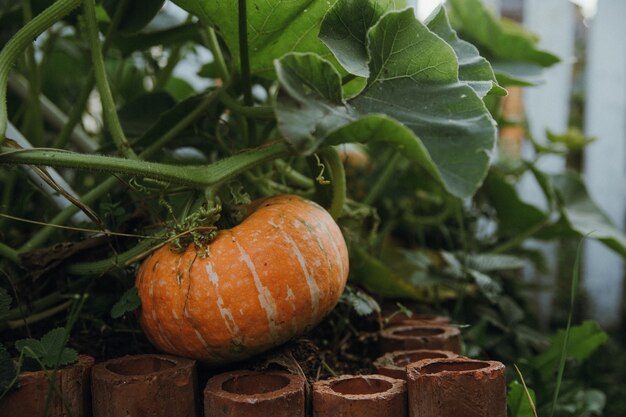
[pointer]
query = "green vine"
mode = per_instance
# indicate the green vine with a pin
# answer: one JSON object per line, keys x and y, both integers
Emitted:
{"x": 108, "y": 104}
{"x": 194, "y": 176}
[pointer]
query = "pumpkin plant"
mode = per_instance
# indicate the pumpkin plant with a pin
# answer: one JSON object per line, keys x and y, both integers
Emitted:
{"x": 234, "y": 189}
{"x": 323, "y": 76}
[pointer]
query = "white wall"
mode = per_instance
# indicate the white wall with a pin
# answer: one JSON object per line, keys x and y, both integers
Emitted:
{"x": 605, "y": 160}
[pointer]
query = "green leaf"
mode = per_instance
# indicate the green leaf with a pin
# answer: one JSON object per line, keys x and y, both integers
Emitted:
{"x": 413, "y": 100}
{"x": 511, "y": 49}
{"x": 490, "y": 288}
{"x": 413, "y": 79}
{"x": 313, "y": 105}
{"x": 395, "y": 279}
{"x": 514, "y": 215}
{"x": 130, "y": 301}
{"x": 344, "y": 30}
{"x": 5, "y": 302}
{"x": 275, "y": 27}
{"x": 582, "y": 215}
{"x": 7, "y": 370}
{"x": 473, "y": 68}
{"x": 51, "y": 350}
{"x": 583, "y": 341}
{"x": 517, "y": 401}
{"x": 362, "y": 303}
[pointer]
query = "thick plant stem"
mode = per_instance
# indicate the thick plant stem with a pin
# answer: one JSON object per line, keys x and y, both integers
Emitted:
{"x": 108, "y": 104}
{"x": 20, "y": 41}
{"x": 194, "y": 176}
{"x": 338, "y": 180}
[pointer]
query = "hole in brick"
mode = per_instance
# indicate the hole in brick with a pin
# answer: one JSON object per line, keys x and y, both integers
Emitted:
{"x": 435, "y": 368}
{"x": 360, "y": 386}
{"x": 255, "y": 384}
{"x": 140, "y": 366}
{"x": 407, "y": 358}
{"x": 420, "y": 332}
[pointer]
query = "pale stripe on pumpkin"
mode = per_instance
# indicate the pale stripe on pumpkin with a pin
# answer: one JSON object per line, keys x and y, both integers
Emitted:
{"x": 265, "y": 297}
{"x": 227, "y": 316}
{"x": 314, "y": 290}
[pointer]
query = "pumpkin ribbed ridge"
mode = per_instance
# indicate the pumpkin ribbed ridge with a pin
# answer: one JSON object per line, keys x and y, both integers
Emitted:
{"x": 257, "y": 285}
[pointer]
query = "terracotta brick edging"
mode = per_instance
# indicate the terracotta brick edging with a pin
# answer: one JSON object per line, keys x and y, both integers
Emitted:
{"x": 360, "y": 396}
{"x": 30, "y": 398}
{"x": 254, "y": 394}
{"x": 459, "y": 387}
{"x": 145, "y": 385}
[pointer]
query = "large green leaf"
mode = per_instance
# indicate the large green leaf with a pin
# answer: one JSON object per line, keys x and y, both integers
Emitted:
{"x": 344, "y": 30}
{"x": 584, "y": 339}
{"x": 511, "y": 49}
{"x": 414, "y": 79}
{"x": 473, "y": 68}
{"x": 413, "y": 100}
{"x": 583, "y": 215}
{"x": 275, "y": 27}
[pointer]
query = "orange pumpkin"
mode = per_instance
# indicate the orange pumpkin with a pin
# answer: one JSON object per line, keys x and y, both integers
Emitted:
{"x": 257, "y": 285}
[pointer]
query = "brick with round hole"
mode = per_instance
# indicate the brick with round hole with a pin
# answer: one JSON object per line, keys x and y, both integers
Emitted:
{"x": 144, "y": 385}
{"x": 393, "y": 364}
{"x": 360, "y": 396}
{"x": 420, "y": 336}
{"x": 255, "y": 394}
{"x": 456, "y": 387}
{"x": 72, "y": 396}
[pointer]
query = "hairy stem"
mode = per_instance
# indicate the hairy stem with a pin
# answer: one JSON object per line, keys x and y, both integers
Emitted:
{"x": 193, "y": 176}
{"x": 108, "y": 104}
{"x": 20, "y": 41}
